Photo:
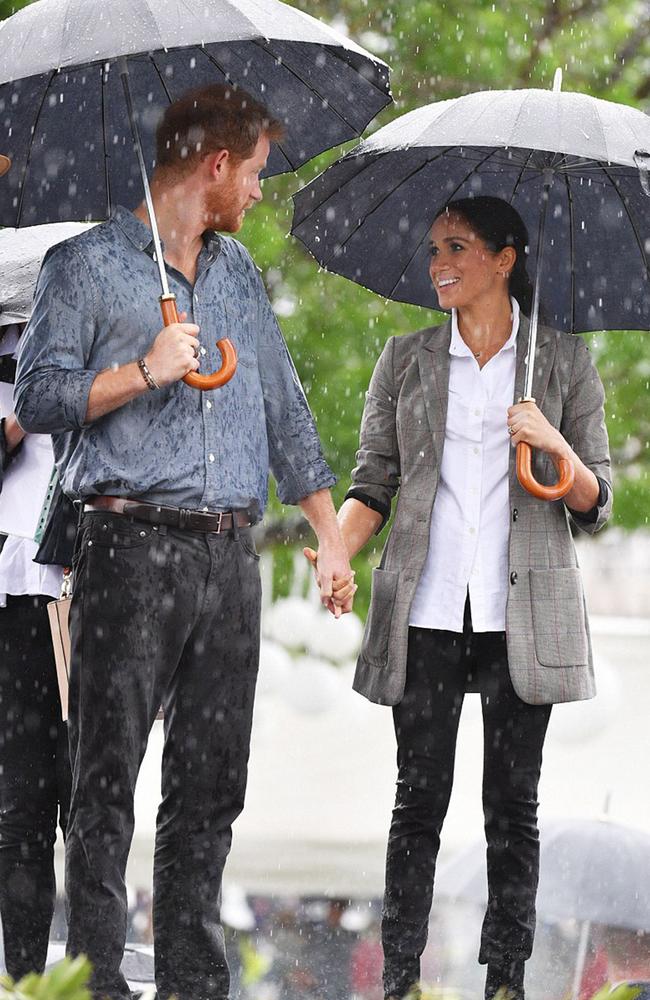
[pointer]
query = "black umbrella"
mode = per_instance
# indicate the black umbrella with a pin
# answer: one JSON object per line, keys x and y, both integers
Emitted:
{"x": 570, "y": 164}
{"x": 67, "y": 65}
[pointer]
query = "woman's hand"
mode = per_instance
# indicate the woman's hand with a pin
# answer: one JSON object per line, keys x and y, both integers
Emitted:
{"x": 14, "y": 433}
{"x": 527, "y": 424}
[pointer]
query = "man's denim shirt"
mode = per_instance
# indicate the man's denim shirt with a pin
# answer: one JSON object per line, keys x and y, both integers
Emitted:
{"x": 96, "y": 305}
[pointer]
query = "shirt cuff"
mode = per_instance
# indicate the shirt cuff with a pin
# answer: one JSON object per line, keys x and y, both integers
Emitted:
{"x": 591, "y": 516}
{"x": 75, "y": 400}
{"x": 300, "y": 484}
{"x": 376, "y": 505}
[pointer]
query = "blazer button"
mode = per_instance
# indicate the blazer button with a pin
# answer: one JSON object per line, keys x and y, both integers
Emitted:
{"x": 513, "y": 577}
{"x": 515, "y": 514}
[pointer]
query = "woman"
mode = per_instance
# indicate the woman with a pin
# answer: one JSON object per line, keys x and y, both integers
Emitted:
{"x": 34, "y": 762}
{"x": 478, "y": 587}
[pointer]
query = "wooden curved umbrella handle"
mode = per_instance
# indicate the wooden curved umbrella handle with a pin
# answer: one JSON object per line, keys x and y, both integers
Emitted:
{"x": 528, "y": 481}
{"x": 226, "y": 349}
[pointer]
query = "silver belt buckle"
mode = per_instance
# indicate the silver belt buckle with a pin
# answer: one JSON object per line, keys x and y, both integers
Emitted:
{"x": 219, "y": 514}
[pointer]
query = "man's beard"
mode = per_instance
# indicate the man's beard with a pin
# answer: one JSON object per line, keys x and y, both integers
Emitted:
{"x": 222, "y": 210}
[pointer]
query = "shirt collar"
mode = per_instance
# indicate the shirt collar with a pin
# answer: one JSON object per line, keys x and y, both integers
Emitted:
{"x": 458, "y": 347}
{"x": 141, "y": 237}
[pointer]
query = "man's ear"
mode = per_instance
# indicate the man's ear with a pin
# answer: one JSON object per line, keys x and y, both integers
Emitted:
{"x": 216, "y": 163}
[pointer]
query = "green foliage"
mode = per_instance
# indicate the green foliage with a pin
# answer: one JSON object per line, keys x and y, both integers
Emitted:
{"x": 66, "y": 981}
{"x": 617, "y": 992}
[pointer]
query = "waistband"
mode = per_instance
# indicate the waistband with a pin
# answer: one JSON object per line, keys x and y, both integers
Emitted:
{"x": 173, "y": 517}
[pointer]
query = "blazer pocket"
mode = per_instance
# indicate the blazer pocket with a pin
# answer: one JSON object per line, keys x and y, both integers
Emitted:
{"x": 374, "y": 648}
{"x": 559, "y": 626}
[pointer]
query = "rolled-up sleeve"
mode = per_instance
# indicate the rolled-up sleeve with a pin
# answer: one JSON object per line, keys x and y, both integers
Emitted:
{"x": 376, "y": 476}
{"x": 295, "y": 454}
{"x": 52, "y": 380}
{"x": 583, "y": 426}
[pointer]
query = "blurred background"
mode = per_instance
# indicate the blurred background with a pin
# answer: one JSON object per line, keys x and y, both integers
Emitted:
{"x": 303, "y": 885}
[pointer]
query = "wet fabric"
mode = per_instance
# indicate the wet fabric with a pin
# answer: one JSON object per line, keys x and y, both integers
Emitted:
{"x": 159, "y": 617}
{"x": 440, "y": 667}
{"x": 96, "y": 305}
{"x": 34, "y": 782}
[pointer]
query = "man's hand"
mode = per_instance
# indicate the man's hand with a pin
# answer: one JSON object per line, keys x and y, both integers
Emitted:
{"x": 174, "y": 352}
{"x": 337, "y": 591}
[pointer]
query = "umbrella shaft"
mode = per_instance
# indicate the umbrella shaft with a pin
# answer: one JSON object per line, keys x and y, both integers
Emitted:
{"x": 124, "y": 73}
{"x": 534, "y": 315}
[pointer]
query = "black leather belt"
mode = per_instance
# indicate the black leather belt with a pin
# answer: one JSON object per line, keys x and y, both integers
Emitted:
{"x": 173, "y": 517}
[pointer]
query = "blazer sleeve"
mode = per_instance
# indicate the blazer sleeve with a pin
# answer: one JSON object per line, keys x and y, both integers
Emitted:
{"x": 583, "y": 426}
{"x": 376, "y": 476}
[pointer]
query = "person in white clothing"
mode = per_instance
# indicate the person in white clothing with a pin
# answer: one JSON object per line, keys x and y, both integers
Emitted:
{"x": 456, "y": 621}
{"x": 34, "y": 761}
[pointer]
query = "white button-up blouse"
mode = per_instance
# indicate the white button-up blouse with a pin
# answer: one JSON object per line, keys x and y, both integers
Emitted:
{"x": 470, "y": 523}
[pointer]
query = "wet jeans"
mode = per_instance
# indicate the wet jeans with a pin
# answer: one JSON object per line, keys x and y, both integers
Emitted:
{"x": 159, "y": 616}
{"x": 441, "y": 667}
{"x": 34, "y": 781}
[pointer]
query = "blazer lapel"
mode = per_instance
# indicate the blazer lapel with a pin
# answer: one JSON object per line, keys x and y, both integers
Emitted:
{"x": 433, "y": 361}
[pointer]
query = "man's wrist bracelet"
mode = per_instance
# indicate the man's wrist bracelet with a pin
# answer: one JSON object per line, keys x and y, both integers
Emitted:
{"x": 147, "y": 376}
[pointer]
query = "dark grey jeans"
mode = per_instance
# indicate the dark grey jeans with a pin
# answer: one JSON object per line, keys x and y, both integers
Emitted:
{"x": 441, "y": 666}
{"x": 34, "y": 781}
{"x": 169, "y": 617}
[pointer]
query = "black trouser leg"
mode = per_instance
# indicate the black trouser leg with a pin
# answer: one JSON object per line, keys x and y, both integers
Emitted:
{"x": 426, "y": 726}
{"x": 208, "y": 716}
{"x": 514, "y": 735}
{"x": 34, "y": 781}
{"x": 145, "y": 628}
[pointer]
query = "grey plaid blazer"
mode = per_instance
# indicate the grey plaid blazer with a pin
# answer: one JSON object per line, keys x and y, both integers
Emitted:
{"x": 402, "y": 436}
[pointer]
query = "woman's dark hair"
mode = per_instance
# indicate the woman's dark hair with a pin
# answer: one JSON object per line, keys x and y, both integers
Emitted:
{"x": 499, "y": 225}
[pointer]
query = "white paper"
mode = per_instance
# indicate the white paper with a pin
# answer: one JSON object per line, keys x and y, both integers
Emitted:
{"x": 25, "y": 482}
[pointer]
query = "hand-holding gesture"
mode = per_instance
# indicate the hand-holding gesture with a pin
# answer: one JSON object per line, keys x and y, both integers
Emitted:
{"x": 334, "y": 577}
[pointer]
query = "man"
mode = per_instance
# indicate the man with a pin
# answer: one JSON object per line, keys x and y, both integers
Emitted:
{"x": 167, "y": 593}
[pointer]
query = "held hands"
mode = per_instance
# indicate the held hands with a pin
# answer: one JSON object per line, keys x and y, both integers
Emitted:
{"x": 527, "y": 423}
{"x": 174, "y": 352}
{"x": 335, "y": 579}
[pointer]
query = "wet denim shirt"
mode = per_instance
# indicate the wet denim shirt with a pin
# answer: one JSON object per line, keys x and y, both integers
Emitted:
{"x": 96, "y": 305}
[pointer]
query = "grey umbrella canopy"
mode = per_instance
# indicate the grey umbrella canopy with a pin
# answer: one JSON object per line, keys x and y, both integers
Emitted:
{"x": 64, "y": 123}
{"x": 21, "y": 254}
{"x": 368, "y": 216}
{"x": 590, "y": 870}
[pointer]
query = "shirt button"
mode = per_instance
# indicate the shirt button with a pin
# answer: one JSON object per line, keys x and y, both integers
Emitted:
{"x": 202, "y": 350}
{"x": 211, "y": 457}
{"x": 477, "y": 413}
{"x": 513, "y": 578}
{"x": 208, "y": 404}
{"x": 472, "y": 531}
{"x": 476, "y": 450}
{"x": 515, "y": 514}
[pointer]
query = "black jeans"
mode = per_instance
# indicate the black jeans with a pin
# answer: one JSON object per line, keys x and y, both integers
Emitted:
{"x": 34, "y": 781}
{"x": 159, "y": 617}
{"x": 441, "y": 666}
